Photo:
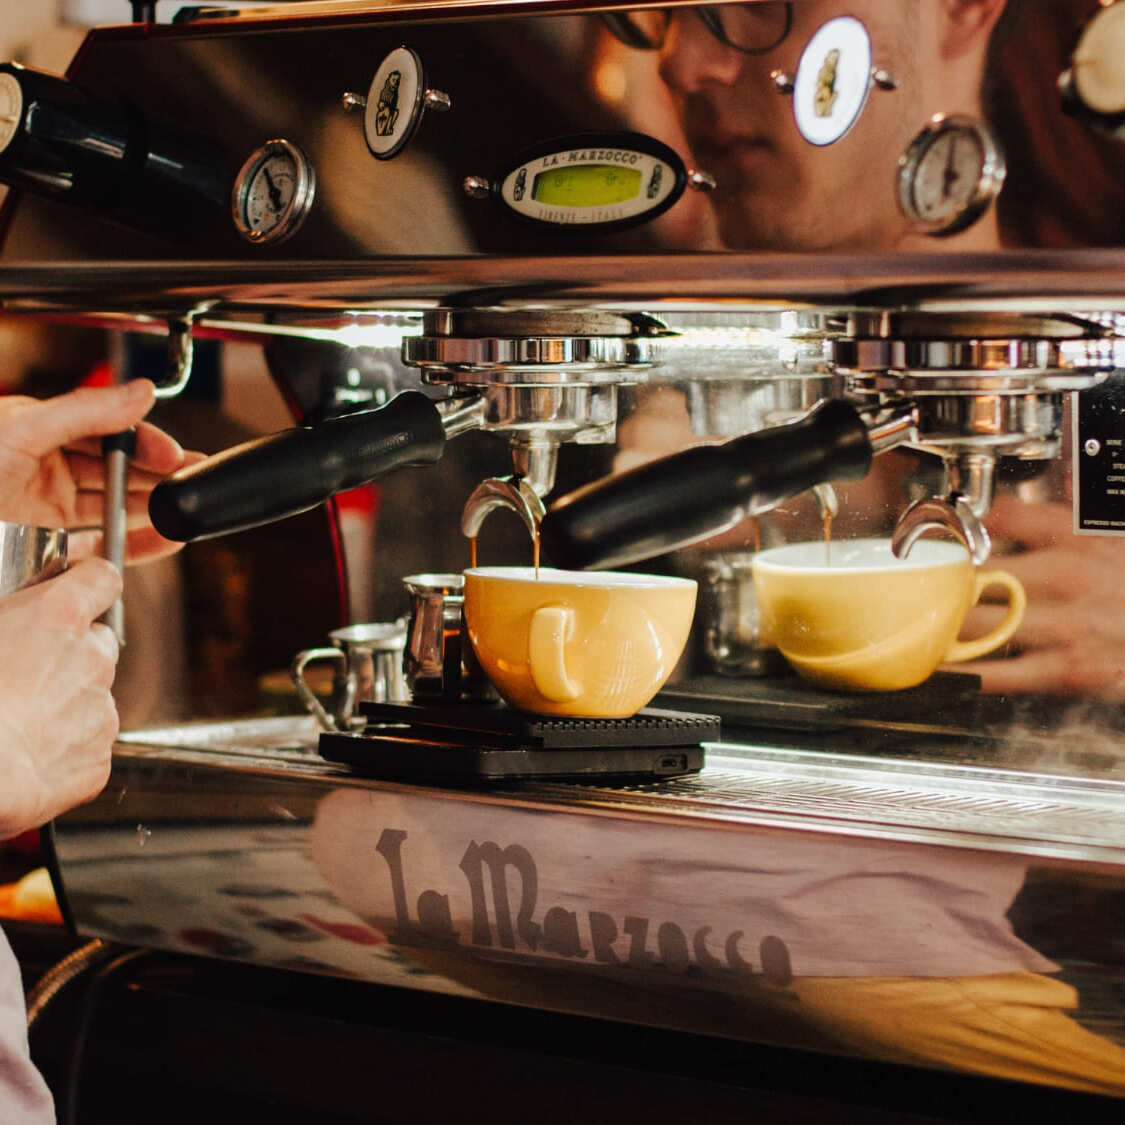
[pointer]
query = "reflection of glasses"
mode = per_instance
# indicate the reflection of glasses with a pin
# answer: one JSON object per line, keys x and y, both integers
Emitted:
{"x": 753, "y": 29}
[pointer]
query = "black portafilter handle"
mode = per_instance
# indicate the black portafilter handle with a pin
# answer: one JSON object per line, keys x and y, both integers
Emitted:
{"x": 289, "y": 472}
{"x": 677, "y": 500}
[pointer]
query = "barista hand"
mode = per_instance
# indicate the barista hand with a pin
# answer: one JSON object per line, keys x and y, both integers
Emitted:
{"x": 57, "y": 716}
{"x": 1071, "y": 641}
{"x": 51, "y": 467}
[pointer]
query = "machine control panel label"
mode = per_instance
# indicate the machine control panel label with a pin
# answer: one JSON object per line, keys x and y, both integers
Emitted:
{"x": 1099, "y": 460}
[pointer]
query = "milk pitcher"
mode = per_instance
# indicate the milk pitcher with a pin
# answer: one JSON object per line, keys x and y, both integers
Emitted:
{"x": 368, "y": 661}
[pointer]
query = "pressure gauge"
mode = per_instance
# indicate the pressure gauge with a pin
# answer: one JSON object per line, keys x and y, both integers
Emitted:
{"x": 949, "y": 174}
{"x": 272, "y": 193}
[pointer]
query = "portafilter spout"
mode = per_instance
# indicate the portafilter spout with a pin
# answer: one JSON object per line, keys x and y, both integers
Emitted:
{"x": 970, "y": 481}
{"x": 513, "y": 493}
{"x": 954, "y": 514}
{"x": 691, "y": 495}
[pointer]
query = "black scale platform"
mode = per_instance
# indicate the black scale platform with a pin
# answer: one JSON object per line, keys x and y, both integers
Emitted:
{"x": 466, "y": 742}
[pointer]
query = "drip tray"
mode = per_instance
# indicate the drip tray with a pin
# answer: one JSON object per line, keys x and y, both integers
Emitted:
{"x": 464, "y": 742}
{"x": 787, "y": 701}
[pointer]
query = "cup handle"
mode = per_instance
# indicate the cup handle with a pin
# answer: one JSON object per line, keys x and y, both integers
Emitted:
{"x": 297, "y": 675}
{"x": 1017, "y": 603}
{"x": 551, "y": 627}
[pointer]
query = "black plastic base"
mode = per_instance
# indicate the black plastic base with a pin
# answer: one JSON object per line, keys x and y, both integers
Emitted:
{"x": 472, "y": 742}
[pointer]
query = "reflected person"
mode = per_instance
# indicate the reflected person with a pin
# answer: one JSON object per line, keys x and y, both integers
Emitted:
{"x": 777, "y": 191}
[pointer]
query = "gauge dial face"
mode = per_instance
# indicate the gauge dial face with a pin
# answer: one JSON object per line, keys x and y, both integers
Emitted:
{"x": 949, "y": 175}
{"x": 273, "y": 193}
{"x": 11, "y": 108}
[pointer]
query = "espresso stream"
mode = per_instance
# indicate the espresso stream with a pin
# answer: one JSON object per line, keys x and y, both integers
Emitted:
{"x": 534, "y": 552}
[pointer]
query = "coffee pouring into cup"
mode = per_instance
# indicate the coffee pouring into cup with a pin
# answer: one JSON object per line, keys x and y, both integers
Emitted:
{"x": 580, "y": 644}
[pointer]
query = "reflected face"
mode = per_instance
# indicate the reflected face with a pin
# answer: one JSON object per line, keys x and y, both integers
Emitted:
{"x": 775, "y": 189}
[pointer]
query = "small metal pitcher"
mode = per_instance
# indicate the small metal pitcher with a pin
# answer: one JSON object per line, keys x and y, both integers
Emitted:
{"x": 733, "y": 644}
{"x": 439, "y": 660}
{"x": 368, "y": 661}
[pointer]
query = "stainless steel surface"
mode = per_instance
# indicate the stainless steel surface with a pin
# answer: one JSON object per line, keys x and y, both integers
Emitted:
{"x": 516, "y": 494}
{"x": 1074, "y": 814}
{"x": 369, "y": 669}
{"x": 116, "y": 462}
{"x": 544, "y": 377}
{"x": 1078, "y": 281}
{"x": 715, "y": 903}
{"x": 935, "y": 514}
{"x": 439, "y": 662}
{"x": 728, "y": 619}
{"x": 29, "y": 554}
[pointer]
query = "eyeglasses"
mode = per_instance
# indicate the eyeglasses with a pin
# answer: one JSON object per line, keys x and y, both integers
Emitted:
{"x": 752, "y": 29}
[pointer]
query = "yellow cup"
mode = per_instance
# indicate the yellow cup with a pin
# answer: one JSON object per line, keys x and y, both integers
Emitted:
{"x": 850, "y": 615}
{"x": 586, "y": 644}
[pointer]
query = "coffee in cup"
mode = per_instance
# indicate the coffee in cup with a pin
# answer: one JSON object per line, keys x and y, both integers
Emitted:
{"x": 853, "y": 616}
{"x": 585, "y": 644}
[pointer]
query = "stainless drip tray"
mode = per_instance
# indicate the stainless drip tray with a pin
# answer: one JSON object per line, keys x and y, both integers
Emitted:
{"x": 973, "y": 806}
{"x": 286, "y": 738}
{"x": 969, "y": 805}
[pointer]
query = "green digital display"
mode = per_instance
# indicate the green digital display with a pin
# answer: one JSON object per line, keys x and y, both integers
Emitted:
{"x": 586, "y": 185}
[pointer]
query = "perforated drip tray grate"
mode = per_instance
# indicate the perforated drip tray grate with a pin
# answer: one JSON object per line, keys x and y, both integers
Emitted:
{"x": 493, "y": 742}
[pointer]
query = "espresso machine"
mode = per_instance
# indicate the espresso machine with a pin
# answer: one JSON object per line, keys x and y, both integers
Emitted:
{"x": 649, "y": 288}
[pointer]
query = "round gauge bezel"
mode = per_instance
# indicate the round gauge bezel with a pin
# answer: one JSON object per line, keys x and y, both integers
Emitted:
{"x": 648, "y": 148}
{"x": 304, "y": 192}
{"x": 989, "y": 181}
{"x": 9, "y": 128}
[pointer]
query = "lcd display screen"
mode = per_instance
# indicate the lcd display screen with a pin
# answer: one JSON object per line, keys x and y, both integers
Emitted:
{"x": 586, "y": 185}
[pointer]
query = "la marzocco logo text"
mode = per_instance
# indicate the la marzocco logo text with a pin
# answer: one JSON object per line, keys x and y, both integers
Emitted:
{"x": 497, "y": 921}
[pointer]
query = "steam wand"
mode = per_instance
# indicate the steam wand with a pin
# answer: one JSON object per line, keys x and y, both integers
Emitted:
{"x": 118, "y": 451}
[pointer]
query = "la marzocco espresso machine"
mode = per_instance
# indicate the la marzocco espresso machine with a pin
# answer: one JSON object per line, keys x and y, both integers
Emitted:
{"x": 647, "y": 288}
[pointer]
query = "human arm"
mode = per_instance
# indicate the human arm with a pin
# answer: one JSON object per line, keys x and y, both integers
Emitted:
{"x": 57, "y": 714}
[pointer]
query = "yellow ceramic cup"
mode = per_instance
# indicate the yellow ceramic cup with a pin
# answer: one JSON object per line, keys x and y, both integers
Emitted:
{"x": 850, "y": 615}
{"x": 587, "y": 644}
